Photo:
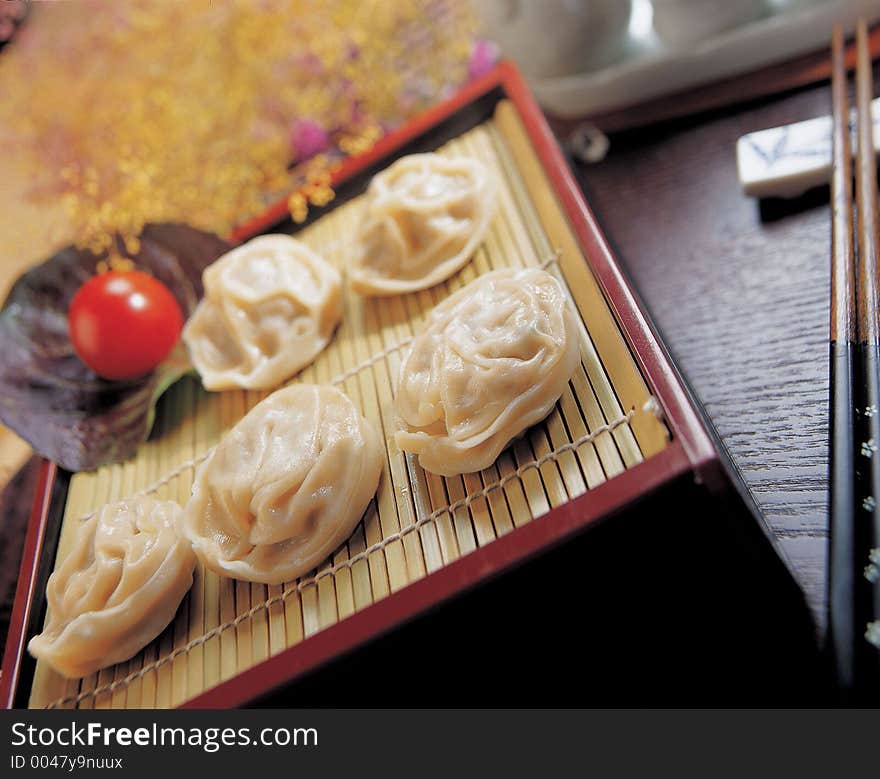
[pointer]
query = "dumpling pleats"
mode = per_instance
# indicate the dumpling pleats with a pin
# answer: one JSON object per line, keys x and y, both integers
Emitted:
{"x": 285, "y": 487}
{"x": 424, "y": 217}
{"x": 117, "y": 589}
{"x": 270, "y": 306}
{"x": 491, "y": 360}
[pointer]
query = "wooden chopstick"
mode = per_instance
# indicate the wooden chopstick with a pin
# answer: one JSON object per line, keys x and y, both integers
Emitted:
{"x": 867, "y": 657}
{"x": 855, "y": 388}
{"x": 841, "y": 637}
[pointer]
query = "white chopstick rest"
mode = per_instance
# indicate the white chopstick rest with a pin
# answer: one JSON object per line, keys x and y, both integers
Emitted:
{"x": 787, "y": 161}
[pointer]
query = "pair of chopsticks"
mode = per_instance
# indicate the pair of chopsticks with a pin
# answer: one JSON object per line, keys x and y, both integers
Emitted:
{"x": 854, "y": 556}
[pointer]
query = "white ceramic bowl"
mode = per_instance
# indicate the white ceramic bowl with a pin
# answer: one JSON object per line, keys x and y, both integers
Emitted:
{"x": 682, "y": 23}
{"x": 550, "y": 38}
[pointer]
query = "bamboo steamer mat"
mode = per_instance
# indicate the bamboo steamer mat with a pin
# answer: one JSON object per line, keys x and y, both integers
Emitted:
{"x": 417, "y": 522}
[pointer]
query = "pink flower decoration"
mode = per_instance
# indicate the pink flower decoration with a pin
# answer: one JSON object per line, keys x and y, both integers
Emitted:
{"x": 307, "y": 138}
{"x": 484, "y": 55}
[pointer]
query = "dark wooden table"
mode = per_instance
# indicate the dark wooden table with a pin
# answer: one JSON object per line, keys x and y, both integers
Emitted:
{"x": 739, "y": 290}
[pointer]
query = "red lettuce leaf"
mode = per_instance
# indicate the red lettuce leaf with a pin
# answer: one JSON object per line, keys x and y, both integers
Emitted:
{"x": 53, "y": 400}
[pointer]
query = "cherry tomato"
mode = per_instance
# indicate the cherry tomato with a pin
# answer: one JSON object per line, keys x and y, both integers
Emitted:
{"x": 123, "y": 323}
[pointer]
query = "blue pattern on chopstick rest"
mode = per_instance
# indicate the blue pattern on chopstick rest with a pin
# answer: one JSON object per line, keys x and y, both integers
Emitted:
{"x": 787, "y": 161}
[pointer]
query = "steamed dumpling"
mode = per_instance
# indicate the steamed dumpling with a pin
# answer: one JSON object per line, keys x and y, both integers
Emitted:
{"x": 270, "y": 306}
{"x": 285, "y": 487}
{"x": 425, "y": 216}
{"x": 492, "y": 360}
{"x": 118, "y": 589}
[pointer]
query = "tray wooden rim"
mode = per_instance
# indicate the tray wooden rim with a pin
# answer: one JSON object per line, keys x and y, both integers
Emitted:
{"x": 690, "y": 449}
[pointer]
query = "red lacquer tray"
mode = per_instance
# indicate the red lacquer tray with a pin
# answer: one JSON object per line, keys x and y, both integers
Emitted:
{"x": 676, "y": 595}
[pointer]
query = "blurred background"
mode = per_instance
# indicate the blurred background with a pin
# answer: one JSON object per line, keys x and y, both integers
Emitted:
{"x": 117, "y": 114}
